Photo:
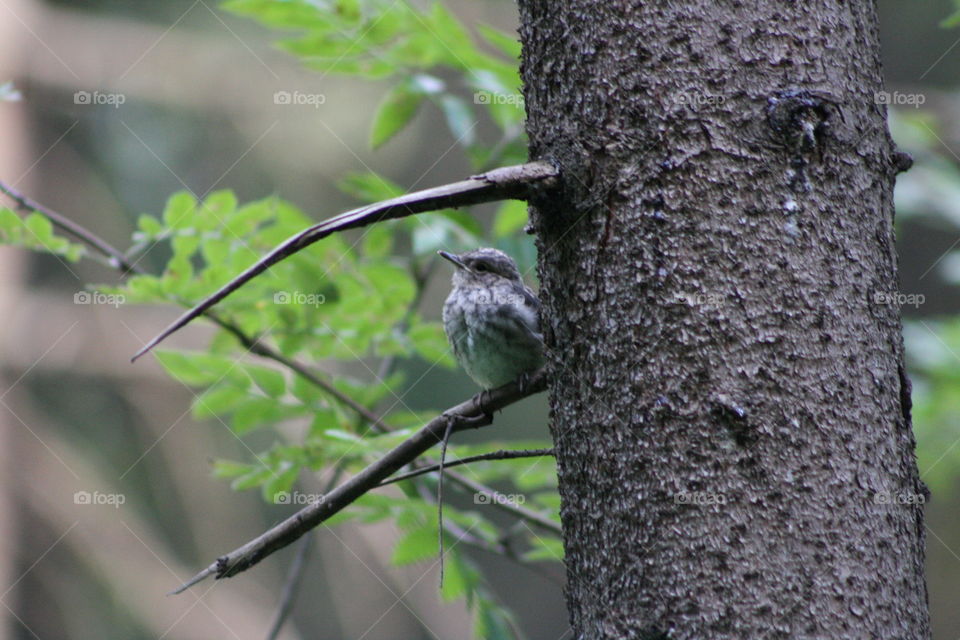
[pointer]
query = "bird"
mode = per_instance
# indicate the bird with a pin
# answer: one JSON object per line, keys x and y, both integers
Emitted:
{"x": 492, "y": 319}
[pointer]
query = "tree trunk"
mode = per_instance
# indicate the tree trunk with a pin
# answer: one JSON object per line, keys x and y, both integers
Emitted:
{"x": 729, "y": 406}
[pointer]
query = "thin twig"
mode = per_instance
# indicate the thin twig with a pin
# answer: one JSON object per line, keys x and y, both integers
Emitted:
{"x": 257, "y": 347}
{"x": 500, "y": 454}
{"x": 77, "y": 231}
{"x": 462, "y": 535}
{"x": 516, "y": 510}
{"x": 252, "y": 345}
{"x": 500, "y": 184}
{"x": 465, "y": 415}
{"x": 291, "y": 587}
{"x": 443, "y": 455}
{"x": 292, "y": 583}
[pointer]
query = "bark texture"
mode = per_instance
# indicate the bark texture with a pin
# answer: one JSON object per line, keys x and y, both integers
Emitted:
{"x": 730, "y": 412}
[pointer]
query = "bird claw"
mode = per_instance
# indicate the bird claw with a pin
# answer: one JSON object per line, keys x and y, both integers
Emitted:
{"x": 483, "y": 398}
{"x": 471, "y": 422}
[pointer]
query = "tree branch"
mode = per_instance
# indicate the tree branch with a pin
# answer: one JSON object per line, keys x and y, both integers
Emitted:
{"x": 500, "y": 184}
{"x": 501, "y": 454}
{"x": 468, "y": 414}
{"x": 117, "y": 259}
{"x": 516, "y": 510}
{"x": 290, "y": 587}
{"x": 253, "y": 345}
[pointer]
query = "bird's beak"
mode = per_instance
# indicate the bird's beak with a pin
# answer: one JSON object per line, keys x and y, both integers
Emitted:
{"x": 458, "y": 263}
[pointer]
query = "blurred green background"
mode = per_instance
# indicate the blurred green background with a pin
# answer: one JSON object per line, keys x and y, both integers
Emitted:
{"x": 199, "y": 114}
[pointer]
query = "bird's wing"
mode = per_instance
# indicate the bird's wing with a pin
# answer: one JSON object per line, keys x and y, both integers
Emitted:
{"x": 529, "y": 318}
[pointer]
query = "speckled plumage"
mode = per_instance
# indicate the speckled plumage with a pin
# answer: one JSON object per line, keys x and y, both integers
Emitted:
{"x": 492, "y": 319}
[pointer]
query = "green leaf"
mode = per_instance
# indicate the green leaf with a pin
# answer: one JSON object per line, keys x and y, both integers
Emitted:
{"x": 492, "y": 622}
{"x": 149, "y": 225}
{"x": 182, "y": 367}
{"x": 378, "y": 240}
{"x": 545, "y": 548}
{"x": 393, "y": 284}
{"x": 269, "y": 380}
{"x": 506, "y": 43}
{"x": 430, "y": 343}
{"x": 510, "y": 218}
{"x": 178, "y": 213}
{"x": 453, "y": 39}
{"x": 460, "y": 119}
{"x": 253, "y": 412}
{"x": 218, "y": 400}
{"x": 284, "y": 475}
{"x": 143, "y": 288}
{"x": 11, "y": 227}
{"x": 455, "y": 576}
{"x": 324, "y": 420}
{"x": 40, "y": 227}
{"x": 470, "y": 228}
{"x": 216, "y": 209}
{"x": 369, "y": 187}
{"x": 229, "y": 468}
{"x": 254, "y": 478}
{"x": 197, "y": 369}
{"x": 442, "y": 233}
{"x": 393, "y": 114}
{"x": 416, "y": 546}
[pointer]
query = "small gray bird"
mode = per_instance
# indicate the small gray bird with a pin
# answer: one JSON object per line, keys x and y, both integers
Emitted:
{"x": 492, "y": 319}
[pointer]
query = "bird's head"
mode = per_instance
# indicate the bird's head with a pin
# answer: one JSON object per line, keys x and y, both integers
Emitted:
{"x": 484, "y": 266}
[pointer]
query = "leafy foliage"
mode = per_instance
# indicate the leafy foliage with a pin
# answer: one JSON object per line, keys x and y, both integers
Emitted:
{"x": 350, "y": 302}
{"x": 353, "y": 301}
{"x": 413, "y": 50}
{"x": 36, "y": 232}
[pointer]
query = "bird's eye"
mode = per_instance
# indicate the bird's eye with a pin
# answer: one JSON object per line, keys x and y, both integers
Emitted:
{"x": 481, "y": 266}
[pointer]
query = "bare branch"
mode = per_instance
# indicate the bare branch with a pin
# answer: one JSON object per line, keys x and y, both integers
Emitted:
{"x": 500, "y": 454}
{"x": 252, "y": 345}
{"x": 290, "y": 588}
{"x": 292, "y": 584}
{"x": 516, "y": 510}
{"x": 500, "y": 184}
{"x": 468, "y": 414}
{"x": 117, "y": 259}
{"x": 255, "y": 346}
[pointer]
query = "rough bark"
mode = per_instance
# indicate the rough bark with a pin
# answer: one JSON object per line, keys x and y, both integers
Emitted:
{"x": 729, "y": 409}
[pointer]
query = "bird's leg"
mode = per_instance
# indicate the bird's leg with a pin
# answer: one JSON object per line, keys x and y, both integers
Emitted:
{"x": 482, "y": 399}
